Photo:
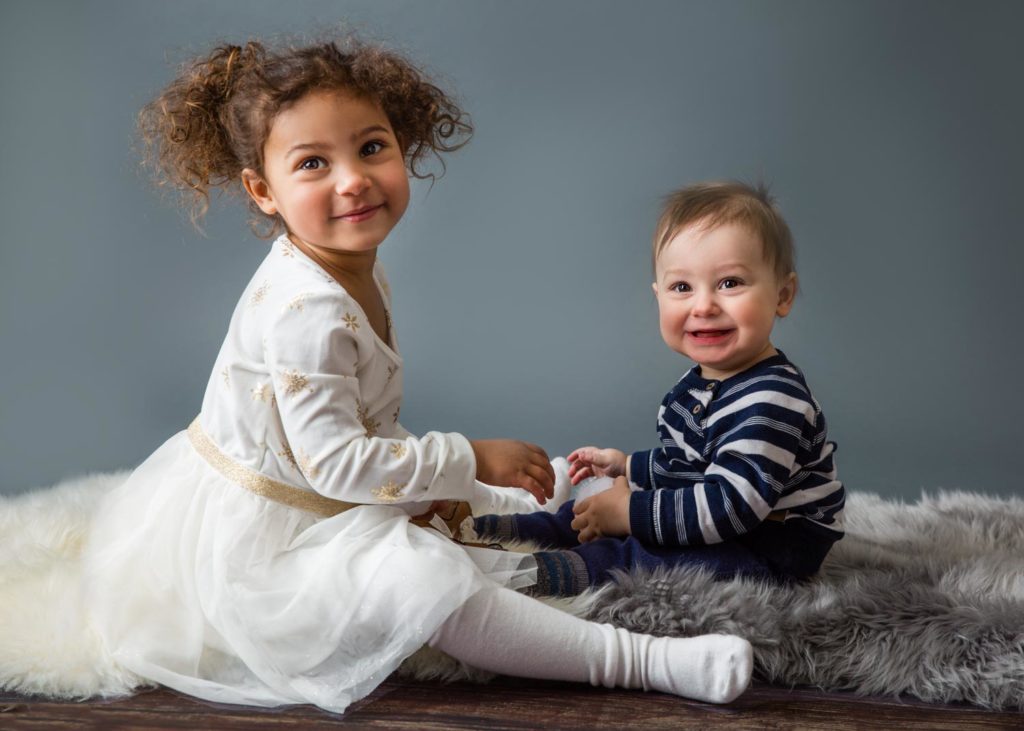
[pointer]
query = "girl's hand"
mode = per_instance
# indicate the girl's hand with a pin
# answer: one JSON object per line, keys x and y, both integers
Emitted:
{"x": 511, "y": 463}
{"x": 594, "y": 462}
{"x": 604, "y": 514}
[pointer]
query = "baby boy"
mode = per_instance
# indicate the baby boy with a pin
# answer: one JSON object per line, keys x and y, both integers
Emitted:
{"x": 744, "y": 482}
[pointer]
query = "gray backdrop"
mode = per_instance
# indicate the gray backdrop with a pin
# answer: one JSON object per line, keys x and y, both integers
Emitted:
{"x": 891, "y": 132}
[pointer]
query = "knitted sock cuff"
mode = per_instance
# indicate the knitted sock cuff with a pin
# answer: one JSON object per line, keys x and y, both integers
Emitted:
{"x": 560, "y": 573}
{"x": 499, "y": 528}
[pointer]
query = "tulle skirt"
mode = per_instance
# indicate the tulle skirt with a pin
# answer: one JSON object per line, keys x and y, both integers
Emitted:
{"x": 197, "y": 584}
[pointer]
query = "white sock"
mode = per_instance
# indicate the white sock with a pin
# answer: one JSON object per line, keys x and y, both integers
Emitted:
{"x": 491, "y": 500}
{"x": 505, "y": 632}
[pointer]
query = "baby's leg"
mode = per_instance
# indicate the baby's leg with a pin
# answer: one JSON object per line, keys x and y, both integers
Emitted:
{"x": 569, "y": 572}
{"x": 491, "y": 500}
{"x": 535, "y": 526}
{"x": 543, "y": 529}
{"x": 504, "y": 632}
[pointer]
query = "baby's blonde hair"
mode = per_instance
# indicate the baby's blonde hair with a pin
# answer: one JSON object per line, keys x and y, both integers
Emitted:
{"x": 719, "y": 203}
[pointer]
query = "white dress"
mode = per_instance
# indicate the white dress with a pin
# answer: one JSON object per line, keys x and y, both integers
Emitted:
{"x": 196, "y": 581}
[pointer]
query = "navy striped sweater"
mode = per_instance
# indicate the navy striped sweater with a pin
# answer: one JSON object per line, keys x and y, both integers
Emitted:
{"x": 733, "y": 453}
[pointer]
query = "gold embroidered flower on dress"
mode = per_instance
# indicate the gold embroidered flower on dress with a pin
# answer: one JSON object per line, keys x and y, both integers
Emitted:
{"x": 306, "y": 465}
{"x": 363, "y": 414}
{"x": 287, "y": 456}
{"x": 394, "y": 416}
{"x": 351, "y": 321}
{"x": 226, "y": 377}
{"x": 259, "y": 294}
{"x": 298, "y": 302}
{"x": 264, "y": 393}
{"x": 295, "y": 382}
{"x": 397, "y": 450}
{"x": 392, "y": 370}
{"x": 389, "y": 492}
{"x": 288, "y": 249}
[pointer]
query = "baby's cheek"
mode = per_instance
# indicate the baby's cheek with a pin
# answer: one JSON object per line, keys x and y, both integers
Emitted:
{"x": 665, "y": 322}
{"x": 672, "y": 329}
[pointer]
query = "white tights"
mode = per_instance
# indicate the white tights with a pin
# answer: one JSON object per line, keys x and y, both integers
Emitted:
{"x": 508, "y": 633}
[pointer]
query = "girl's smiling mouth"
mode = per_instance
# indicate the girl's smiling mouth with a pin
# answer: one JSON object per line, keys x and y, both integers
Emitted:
{"x": 359, "y": 214}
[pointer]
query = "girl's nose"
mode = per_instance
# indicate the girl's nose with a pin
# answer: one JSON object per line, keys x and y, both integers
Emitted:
{"x": 352, "y": 181}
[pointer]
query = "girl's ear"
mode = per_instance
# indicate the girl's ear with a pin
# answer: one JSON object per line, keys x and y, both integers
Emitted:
{"x": 787, "y": 293}
{"x": 259, "y": 191}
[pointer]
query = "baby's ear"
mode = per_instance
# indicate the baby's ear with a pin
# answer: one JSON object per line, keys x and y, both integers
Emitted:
{"x": 787, "y": 293}
{"x": 259, "y": 191}
{"x": 654, "y": 287}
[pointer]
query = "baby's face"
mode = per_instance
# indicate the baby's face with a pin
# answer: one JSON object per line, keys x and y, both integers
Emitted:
{"x": 718, "y": 298}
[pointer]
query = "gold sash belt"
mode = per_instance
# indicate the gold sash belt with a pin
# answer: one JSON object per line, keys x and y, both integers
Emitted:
{"x": 262, "y": 485}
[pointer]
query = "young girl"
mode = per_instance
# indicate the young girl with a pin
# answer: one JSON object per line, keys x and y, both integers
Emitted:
{"x": 265, "y": 555}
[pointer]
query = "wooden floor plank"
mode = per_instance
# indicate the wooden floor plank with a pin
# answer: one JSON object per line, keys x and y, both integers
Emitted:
{"x": 515, "y": 705}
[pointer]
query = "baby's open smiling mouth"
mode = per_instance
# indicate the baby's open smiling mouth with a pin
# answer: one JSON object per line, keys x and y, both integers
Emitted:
{"x": 707, "y": 336}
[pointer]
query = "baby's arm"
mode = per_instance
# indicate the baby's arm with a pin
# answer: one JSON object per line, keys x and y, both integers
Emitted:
{"x": 604, "y": 514}
{"x": 755, "y": 454}
{"x": 675, "y": 462}
{"x": 596, "y": 462}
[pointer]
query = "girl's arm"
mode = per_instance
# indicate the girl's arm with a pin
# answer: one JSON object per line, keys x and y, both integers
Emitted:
{"x": 313, "y": 354}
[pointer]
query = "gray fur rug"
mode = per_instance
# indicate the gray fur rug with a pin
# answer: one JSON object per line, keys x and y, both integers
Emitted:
{"x": 925, "y": 600}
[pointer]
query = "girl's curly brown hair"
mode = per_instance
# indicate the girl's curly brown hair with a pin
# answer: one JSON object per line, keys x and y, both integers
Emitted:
{"x": 212, "y": 121}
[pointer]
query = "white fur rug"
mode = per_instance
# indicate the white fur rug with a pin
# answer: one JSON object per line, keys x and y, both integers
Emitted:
{"x": 46, "y": 646}
{"x": 924, "y": 599}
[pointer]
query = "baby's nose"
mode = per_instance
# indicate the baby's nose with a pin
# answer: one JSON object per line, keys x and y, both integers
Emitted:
{"x": 704, "y": 303}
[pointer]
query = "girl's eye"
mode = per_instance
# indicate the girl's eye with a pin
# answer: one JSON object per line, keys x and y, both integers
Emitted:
{"x": 680, "y": 287}
{"x": 730, "y": 283}
{"x": 312, "y": 163}
{"x": 371, "y": 148}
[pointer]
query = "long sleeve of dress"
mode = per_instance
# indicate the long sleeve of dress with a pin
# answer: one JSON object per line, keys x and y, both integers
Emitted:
{"x": 313, "y": 350}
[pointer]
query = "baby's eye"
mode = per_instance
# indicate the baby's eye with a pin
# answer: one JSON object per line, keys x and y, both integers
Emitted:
{"x": 312, "y": 163}
{"x": 730, "y": 283}
{"x": 680, "y": 287}
{"x": 371, "y": 148}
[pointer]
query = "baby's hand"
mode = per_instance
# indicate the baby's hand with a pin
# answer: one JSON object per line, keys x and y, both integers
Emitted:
{"x": 511, "y": 463}
{"x": 594, "y": 462}
{"x": 604, "y": 514}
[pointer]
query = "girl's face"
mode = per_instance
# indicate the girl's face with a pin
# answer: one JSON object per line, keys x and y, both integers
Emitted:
{"x": 334, "y": 171}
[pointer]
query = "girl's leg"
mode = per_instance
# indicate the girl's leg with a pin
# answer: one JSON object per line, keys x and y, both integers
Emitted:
{"x": 505, "y": 632}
